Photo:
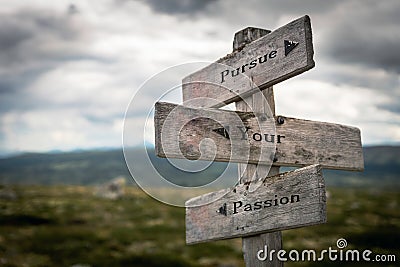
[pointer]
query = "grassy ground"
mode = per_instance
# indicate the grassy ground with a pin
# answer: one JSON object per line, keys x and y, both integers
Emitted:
{"x": 68, "y": 225}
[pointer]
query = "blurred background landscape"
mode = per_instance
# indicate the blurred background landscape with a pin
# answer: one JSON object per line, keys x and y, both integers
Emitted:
{"x": 52, "y": 213}
{"x": 382, "y": 169}
{"x": 68, "y": 71}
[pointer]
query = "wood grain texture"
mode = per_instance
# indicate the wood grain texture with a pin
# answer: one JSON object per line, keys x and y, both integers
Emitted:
{"x": 190, "y": 133}
{"x": 332, "y": 145}
{"x": 246, "y": 36}
{"x": 262, "y": 102}
{"x": 297, "y": 199}
{"x": 255, "y": 66}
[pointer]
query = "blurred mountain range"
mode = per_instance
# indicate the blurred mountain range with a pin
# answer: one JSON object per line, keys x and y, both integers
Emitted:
{"x": 382, "y": 169}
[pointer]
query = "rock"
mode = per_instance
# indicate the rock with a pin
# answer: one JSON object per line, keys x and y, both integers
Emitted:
{"x": 113, "y": 189}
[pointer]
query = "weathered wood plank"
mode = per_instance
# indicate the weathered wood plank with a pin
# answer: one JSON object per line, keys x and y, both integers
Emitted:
{"x": 246, "y": 36}
{"x": 293, "y": 142}
{"x": 282, "y": 54}
{"x": 288, "y": 200}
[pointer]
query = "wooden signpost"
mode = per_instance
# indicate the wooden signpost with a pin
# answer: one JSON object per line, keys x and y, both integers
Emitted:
{"x": 258, "y": 207}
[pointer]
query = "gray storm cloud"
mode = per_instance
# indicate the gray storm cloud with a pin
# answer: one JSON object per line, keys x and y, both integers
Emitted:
{"x": 179, "y": 6}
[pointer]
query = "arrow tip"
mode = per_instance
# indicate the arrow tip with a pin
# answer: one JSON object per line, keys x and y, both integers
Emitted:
{"x": 289, "y": 46}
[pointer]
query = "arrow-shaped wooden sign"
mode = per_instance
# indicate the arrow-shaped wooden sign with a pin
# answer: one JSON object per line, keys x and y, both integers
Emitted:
{"x": 277, "y": 56}
{"x": 247, "y": 137}
{"x": 288, "y": 200}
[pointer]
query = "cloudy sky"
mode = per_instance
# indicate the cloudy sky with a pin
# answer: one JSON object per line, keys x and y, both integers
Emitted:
{"x": 68, "y": 69}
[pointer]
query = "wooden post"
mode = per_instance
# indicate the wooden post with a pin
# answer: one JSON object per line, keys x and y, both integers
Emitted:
{"x": 258, "y": 207}
{"x": 270, "y": 59}
{"x": 247, "y": 172}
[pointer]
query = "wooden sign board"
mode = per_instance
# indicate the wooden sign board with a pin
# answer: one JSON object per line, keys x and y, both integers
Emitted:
{"x": 282, "y": 54}
{"x": 253, "y": 139}
{"x": 285, "y": 201}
